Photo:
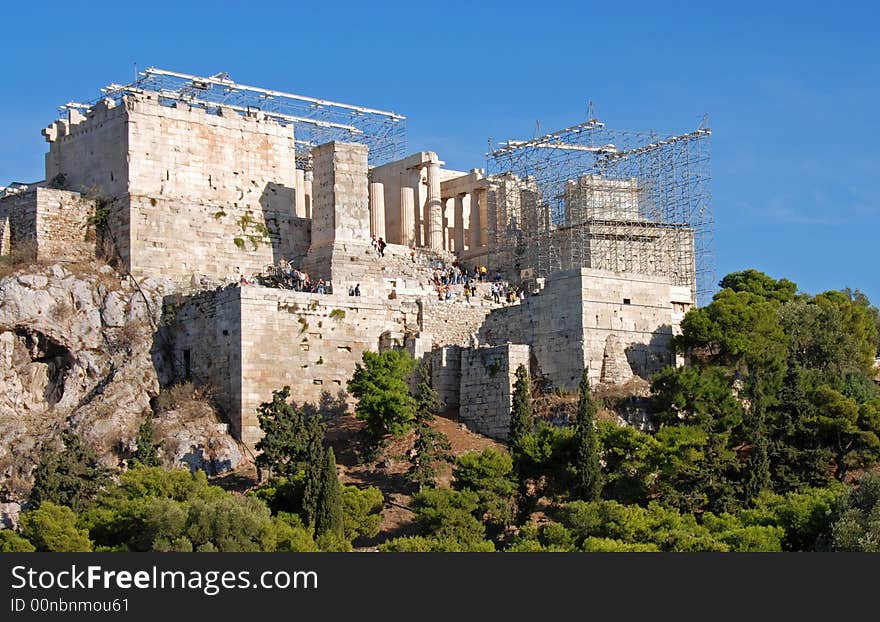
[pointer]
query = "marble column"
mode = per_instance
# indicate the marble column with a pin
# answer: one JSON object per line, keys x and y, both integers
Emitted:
{"x": 474, "y": 223}
{"x": 459, "y": 223}
{"x": 407, "y": 216}
{"x": 377, "y": 209}
{"x": 300, "y": 193}
{"x": 434, "y": 215}
{"x": 483, "y": 210}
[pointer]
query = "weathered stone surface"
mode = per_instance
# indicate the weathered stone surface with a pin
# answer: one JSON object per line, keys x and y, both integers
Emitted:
{"x": 74, "y": 353}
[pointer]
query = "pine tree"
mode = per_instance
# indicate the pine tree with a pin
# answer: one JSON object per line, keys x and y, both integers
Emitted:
{"x": 522, "y": 420}
{"x": 430, "y": 445}
{"x": 588, "y": 473}
{"x": 328, "y": 511}
{"x": 147, "y": 453}
{"x": 292, "y": 439}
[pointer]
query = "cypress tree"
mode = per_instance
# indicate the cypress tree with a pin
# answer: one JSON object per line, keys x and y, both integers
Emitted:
{"x": 588, "y": 473}
{"x": 147, "y": 453}
{"x": 328, "y": 513}
{"x": 522, "y": 420}
{"x": 430, "y": 445}
{"x": 758, "y": 476}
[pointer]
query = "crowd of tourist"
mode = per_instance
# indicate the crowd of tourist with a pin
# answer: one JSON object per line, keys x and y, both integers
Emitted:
{"x": 285, "y": 275}
{"x": 444, "y": 278}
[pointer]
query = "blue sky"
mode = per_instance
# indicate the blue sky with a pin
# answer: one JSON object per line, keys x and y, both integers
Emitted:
{"x": 791, "y": 90}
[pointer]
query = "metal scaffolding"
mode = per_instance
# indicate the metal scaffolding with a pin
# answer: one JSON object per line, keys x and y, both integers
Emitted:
{"x": 586, "y": 196}
{"x": 316, "y": 121}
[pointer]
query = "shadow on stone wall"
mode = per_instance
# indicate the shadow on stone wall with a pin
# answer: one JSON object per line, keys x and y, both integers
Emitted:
{"x": 647, "y": 359}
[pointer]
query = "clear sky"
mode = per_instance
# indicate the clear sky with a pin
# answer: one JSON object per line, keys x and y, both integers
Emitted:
{"x": 791, "y": 90}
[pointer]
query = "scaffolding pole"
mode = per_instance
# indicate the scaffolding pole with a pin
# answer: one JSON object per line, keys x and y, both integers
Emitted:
{"x": 316, "y": 120}
{"x": 587, "y": 196}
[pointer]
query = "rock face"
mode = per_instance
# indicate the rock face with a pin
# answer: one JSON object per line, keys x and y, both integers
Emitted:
{"x": 78, "y": 349}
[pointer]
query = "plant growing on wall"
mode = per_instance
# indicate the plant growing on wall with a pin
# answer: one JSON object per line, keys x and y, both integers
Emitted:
{"x": 256, "y": 233}
{"x": 337, "y": 314}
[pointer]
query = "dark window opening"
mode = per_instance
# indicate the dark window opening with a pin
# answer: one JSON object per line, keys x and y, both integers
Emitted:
{"x": 187, "y": 370}
{"x": 627, "y": 301}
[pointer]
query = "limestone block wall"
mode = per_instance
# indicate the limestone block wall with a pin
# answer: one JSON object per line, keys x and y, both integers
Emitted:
{"x": 446, "y": 374}
{"x": 486, "y": 394}
{"x": 48, "y": 224}
{"x": 569, "y": 322}
{"x": 453, "y": 322}
{"x": 177, "y": 238}
{"x": 551, "y": 322}
{"x": 275, "y": 338}
{"x": 91, "y": 152}
{"x": 643, "y": 311}
{"x": 191, "y": 191}
{"x": 202, "y": 335}
{"x": 18, "y": 219}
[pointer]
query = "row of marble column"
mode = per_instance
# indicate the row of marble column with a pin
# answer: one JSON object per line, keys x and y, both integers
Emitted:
{"x": 434, "y": 212}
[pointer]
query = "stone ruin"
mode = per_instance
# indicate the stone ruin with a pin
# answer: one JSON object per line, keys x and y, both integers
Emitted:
{"x": 201, "y": 195}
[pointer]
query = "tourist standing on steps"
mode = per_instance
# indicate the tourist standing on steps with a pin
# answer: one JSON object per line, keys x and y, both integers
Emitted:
{"x": 357, "y": 289}
{"x": 375, "y": 244}
{"x": 380, "y": 244}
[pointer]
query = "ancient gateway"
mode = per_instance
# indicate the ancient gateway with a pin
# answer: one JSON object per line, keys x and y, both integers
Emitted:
{"x": 204, "y": 180}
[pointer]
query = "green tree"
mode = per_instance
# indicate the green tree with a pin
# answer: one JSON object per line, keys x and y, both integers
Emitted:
{"x": 760, "y": 284}
{"x": 147, "y": 452}
{"x": 857, "y": 527}
{"x": 11, "y": 542}
{"x": 430, "y": 446}
{"x": 292, "y": 439}
{"x": 328, "y": 516}
{"x": 588, "y": 472}
{"x": 384, "y": 401}
{"x": 71, "y": 477}
{"x": 522, "y": 420}
{"x": 361, "y": 511}
{"x": 489, "y": 474}
{"x": 152, "y": 509}
{"x": 52, "y": 527}
{"x": 449, "y": 515}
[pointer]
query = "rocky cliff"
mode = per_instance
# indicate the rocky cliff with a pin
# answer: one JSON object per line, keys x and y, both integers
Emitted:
{"x": 79, "y": 349}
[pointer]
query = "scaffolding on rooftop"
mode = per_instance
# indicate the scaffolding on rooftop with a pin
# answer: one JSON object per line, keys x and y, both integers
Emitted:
{"x": 587, "y": 196}
{"x": 316, "y": 121}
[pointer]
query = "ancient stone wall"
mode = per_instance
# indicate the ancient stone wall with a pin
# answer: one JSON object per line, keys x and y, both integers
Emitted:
{"x": 18, "y": 219}
{"x": 48, "y": 224}
{"x": 551, "y": 322}
{"x": 191, "y": 191}
{"x": 446, "y": 374}
{"x": 486, "y": 395}
{"x": 569, "y": 321}
{"x": 201, "y": 339}
{"x": 307, "y": 341}
{"x": 453, "y": 322}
